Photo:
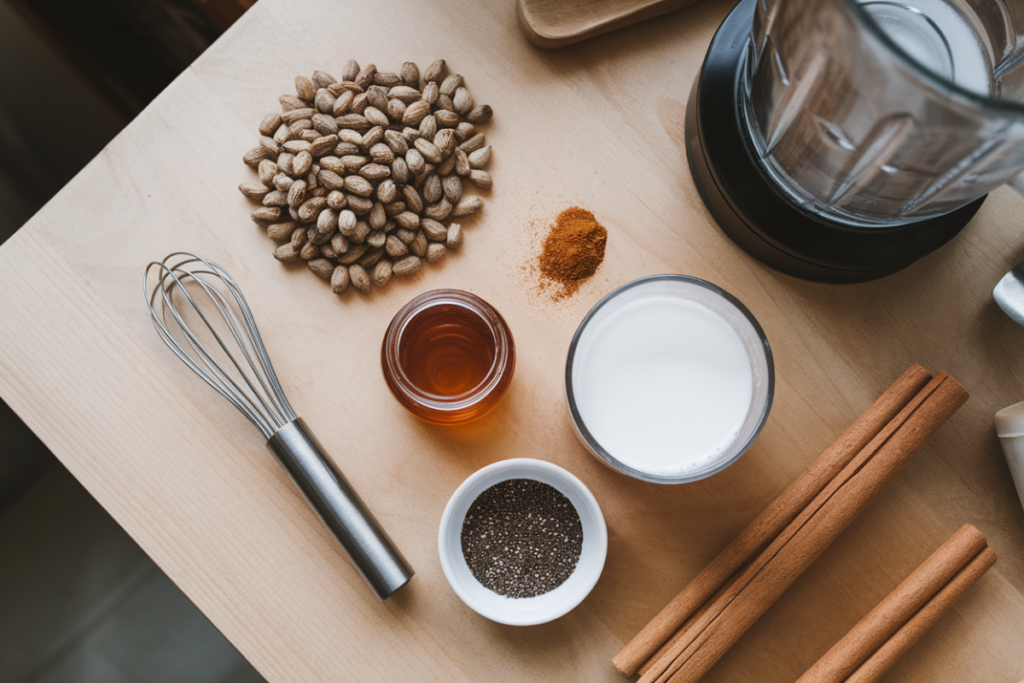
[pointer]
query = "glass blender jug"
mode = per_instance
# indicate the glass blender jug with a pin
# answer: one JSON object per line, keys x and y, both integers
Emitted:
{"x": 841, "y": 140}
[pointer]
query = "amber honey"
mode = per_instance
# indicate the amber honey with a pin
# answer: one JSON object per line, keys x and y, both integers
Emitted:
{"x": 448, "y": 356}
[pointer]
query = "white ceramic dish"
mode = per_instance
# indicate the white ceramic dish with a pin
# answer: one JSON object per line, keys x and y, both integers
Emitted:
{"x": 542, "y": 608}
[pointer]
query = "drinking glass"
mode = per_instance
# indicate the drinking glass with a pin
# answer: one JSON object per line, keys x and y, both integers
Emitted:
{"x": 879, "y": 114}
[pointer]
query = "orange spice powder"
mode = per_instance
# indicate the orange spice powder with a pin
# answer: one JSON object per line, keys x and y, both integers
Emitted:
{"x": 572, "y": 251}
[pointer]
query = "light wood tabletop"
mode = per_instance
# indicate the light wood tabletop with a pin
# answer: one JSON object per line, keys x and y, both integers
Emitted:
{"x": 599, "y": 125}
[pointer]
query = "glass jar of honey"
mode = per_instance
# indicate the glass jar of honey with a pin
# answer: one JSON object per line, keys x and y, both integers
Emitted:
{"x": 448, "y": 356}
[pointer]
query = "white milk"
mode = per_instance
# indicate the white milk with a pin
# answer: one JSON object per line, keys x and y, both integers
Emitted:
{"x": 663, "y": 384}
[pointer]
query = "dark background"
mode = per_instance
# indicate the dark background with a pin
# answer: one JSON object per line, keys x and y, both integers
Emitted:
{"x": 80, "y": 602}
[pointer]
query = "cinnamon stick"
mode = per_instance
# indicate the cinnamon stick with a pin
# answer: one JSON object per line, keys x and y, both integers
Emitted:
{"x": 886, "y": 656}
{"x": 706, "y": 639}
{"x": 649, "y": 644}
{"x": 898, "y": 608}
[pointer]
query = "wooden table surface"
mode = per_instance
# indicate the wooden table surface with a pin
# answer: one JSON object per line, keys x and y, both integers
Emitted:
{"x": 599, "y": 124}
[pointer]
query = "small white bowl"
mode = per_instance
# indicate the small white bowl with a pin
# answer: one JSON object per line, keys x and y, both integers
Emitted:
{"x": 542, "y": 608}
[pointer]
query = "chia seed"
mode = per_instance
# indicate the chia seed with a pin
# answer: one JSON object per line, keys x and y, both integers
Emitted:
{"x": 522, "y": 538}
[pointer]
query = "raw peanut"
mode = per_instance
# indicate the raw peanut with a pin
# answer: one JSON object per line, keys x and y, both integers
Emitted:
{"x": 408, "y": 220}
{"x": 350, "y": 71}
{"x": 354, "y": 162}
{"x": 267, "y": 170}
{"x": 447, "y": 166}
{"x": 281, "y": 231}
{"x": 327, "y": 222}
{"x": 335, "y": 199}
{"x": 269, "y": 124}
{"x": 400, "y": 171}
{"x": 255, "y": 155}
{"x": 286, "y": 162}
{"x": 440, "y": 210}
{"x": 282, "y": 134}
{"x": 343, "y": 147}
{"x": 473, "y": 144}
{"x": 372, "y": 255}
{"x": 462, "y": 166}
{"x": 332, "y": 164}
{"x": 283, "y": 182}
{"x": 275, "y": 198}
{"x": 332, "y": 181}
{"x": 372, "y": 137}
{"x": 360, "y": 205}
{"x": 432, "y": 190}
{"x": 386, "y": 79}
{"x": 450, "y": 84}
{"x": 467, "y": 206}
{"x": 407, "y": 236}
{"x": 316, "y": 237}
{"x": 452, "y": 187}
{"x": 347, "y": 223}
{"x": 386, "y": 191}
{"x": 299, "y": 238}
{"x": 311, "y": 208}
{"x": 339, "y": 243}
{"x": 480, "y": 114}
{"x": 410, "y": 74}
{"x": 350, "y": 136}
{"x": 436, "y": 71}
{"x": 339, "y": 279}
{"x": 359, "y": 103}
{"x": 324, "y": 101}
{"x": 412, "y": 199}
{"x": 418, "y": 246}
{"x": 454, "y": 240}
{"x": 254, "y": 190}
{"x": 267, "y": 214}
{"x": 435, "y": 252}
{"x": 415, "y": 112}
{"x": 406, "y": 266}
{"x": 309, "y": 251}
{"x": 321, "y": 267}
{"x": 295, "y": 115}
{"x": 286, "y": 253}
{"x": 395, "y": 142}
{"x": 309, "y": 135}
{"x": 374, "y": 172}
{"x": 462, "y": 101}
{"x": 396, "y": 110}
{"x": 410, "y": 134}
{"x": 353, "y": 254}
{"x": 430, "y": 92}
{"x": 361, "y": 232}
{"x": 296, "y": 146}
{"x": 377, "y": 217}
{"x": 343, "y": 102}
{"x": 428, "y": 127}
{"x": 376, "y": 239}
{"x": 394, "y": 208}
{"x": 415, "y": 160}
{"x": 358, "y": 185}
{"x": 377, "y": 97}
{"x": 480, "y": 157}
{"x": 480, "y": 178}
{"x": 396, "y": 247}
{"x": 359, "y": 278}
{"x": 353, "y": 121}
{"x": 323, "y": 145}
{"x": 322, "y": 79}
{"x": 376, "y": 117}
{"x": 429, "y": 151}
{"x": 304, "y": 88}
{"x": 297, "y": 193}
{"x": 365, "y": 77}
{"x": 405, "y": 94}
{"x": 381, "y": 273}
{"x": 291, "y": 103}
{"x": 444, "y": 140}
{"x": 464, "y": 131}
{"x": 445, "y": 102}
{"x": 446, "y": 119}
{"x": 433, "y": 230}
{"x": 327, "y": 251}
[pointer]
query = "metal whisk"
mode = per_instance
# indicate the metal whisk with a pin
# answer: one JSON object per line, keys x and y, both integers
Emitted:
{"x": 200, "y": 313}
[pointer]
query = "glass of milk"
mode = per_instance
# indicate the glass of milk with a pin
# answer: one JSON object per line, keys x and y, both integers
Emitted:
{"x": 879, "y": 113}
{"x": 669, "y": 379}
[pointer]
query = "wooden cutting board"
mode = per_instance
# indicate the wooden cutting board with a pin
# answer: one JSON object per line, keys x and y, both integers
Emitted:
{"x": 599, "y": 124}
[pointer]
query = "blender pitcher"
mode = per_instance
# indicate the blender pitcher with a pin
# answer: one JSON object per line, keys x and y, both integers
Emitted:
{"x": 841, "y": 140}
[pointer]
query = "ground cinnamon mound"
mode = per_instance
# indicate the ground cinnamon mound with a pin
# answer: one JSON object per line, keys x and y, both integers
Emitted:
{"x": 573, "y": 250}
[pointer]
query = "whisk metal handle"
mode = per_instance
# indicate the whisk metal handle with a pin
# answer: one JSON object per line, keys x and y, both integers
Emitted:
{"x": 341, "y": 509}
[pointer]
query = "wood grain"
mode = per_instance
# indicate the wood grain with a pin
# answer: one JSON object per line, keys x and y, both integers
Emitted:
{"x": 597, "y": 124}
{"x": 555, "y": 23}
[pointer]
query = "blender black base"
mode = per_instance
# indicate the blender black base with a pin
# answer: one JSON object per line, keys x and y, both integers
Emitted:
{"x": 756, "y": 214}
